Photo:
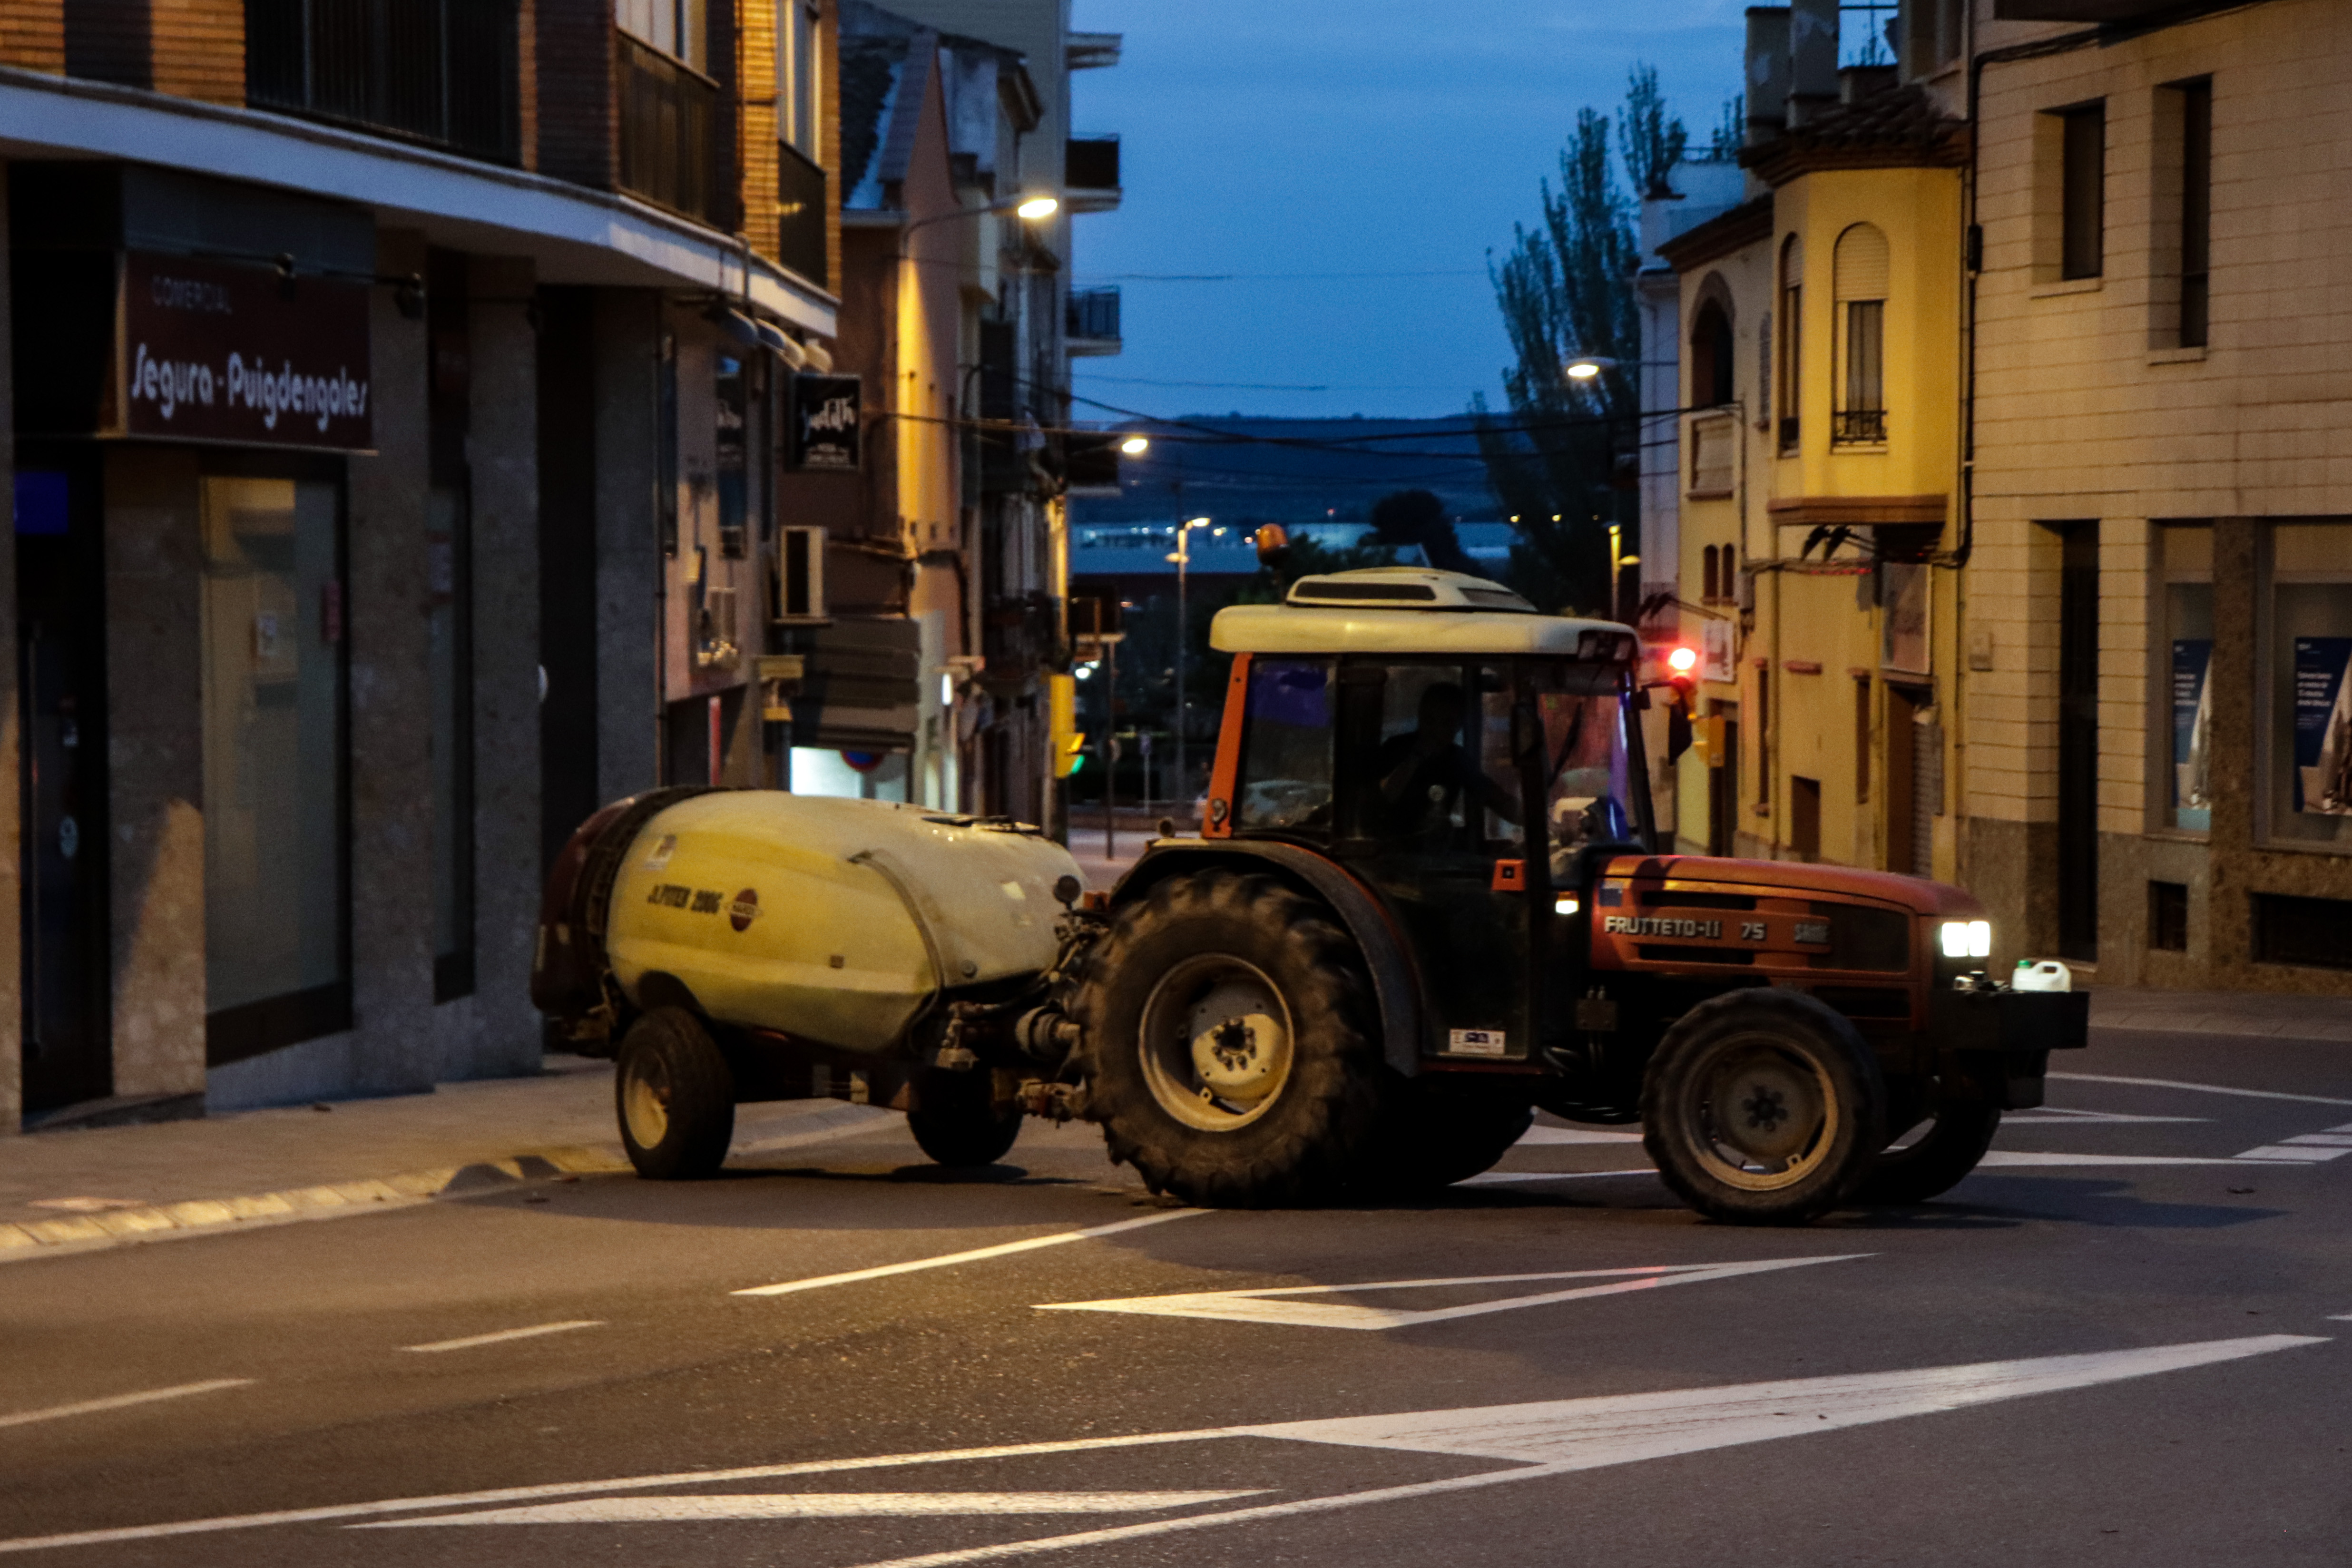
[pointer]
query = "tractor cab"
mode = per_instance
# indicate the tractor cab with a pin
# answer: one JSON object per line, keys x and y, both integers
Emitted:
{"x": 1471, "y": 762}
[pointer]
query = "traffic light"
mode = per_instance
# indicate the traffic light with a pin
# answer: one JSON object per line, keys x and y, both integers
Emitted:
{"x": 1062, "y": 708}
{"x": 1682, "y": 678}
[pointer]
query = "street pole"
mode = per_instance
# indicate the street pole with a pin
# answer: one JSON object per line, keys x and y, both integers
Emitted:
{"x": 1184, "y": 559}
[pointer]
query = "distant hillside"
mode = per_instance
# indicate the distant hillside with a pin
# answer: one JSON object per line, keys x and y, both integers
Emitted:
{"x": 1335, "y": 474}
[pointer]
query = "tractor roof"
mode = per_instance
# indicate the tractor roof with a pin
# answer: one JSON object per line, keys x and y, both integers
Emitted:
{"x": 1407, "y": 610}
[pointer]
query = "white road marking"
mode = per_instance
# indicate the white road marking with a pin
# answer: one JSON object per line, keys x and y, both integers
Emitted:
{"x": 470, "y": 1340}
{"x": 1563, "y": 1436}
{"x": 815, "y": 1505}
{"x": 1497, "y": 1178}
{"x": 120, "y": 1400}
{"x": 849, "y": 1127}
{"x": 1680, "y": 1421}
{"x": 1540, "y": 1135}
{"x": 1286, "y": 1305}
{"x": 2198, "y": 1087}
{"x": 1004, "y": 1249}
{"x": 2018, "y": 1157}
{"x": 2275, "y": 1154}
{"x": 2056, "y": 1116}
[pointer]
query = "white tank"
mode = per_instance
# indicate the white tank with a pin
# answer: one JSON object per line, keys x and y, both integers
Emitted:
{"x": 832, "y": 921}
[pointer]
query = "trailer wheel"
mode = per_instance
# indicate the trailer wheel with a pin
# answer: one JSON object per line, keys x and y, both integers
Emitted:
{"x": 676, "y": 1095}
{"x": 1763, "y": 1107}
{"x": 1944, "y": 1147}
{"x": 1229, "y": 1050}
{"x": 1434, "y": 1134}
{"x": 958, "y": 1120}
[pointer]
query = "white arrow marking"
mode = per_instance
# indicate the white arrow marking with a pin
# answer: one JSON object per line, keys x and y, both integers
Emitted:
{"x": 120, "y": 1400}
{"x": 1540, "y": 1134}
{"x": 2056, "y": 1116}
{"x": 472, "y": 1340}
{"x": 2018, "y": 1157}
{"x": 1003, "y": 1249}
{"x": 1560, "y": 1436}
{"x": 815, "y": 1505}
{"x": 2199, "y": 1088}
{"x": 1283, "y": 1304}
{"x": 1941, "y": 1388}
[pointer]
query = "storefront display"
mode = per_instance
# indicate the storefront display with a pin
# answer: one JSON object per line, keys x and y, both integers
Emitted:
{"x": 2310, "y": 750}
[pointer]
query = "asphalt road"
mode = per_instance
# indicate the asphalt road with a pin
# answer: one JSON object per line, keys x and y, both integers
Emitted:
{"x": 2122, "y": 1342}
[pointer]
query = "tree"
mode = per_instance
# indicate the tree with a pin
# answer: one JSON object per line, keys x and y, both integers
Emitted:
{"x": 1409, "y": 518}
{"x": 1566, "y": 290}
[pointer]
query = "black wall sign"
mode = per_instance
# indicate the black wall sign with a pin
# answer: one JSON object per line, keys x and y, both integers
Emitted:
{"x": 825, "y": 422}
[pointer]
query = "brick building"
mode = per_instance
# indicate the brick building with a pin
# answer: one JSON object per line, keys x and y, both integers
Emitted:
{"x": 394, "y": 417}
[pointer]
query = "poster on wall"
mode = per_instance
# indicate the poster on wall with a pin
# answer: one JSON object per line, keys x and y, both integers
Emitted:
{"x": 1904, "y": 646}
{"x": 2323, "y": 726}
{"x": 1720, "y": 655}
{"x": 824, "y": 422}
{"x": 2192, "y": 726}
{"x": 212, "y": 350}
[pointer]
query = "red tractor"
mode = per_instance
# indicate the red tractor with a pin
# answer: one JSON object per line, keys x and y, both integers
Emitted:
{"x": 1430, "y": 897}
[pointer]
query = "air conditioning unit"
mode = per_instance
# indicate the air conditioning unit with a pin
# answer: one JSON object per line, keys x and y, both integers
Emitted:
{"x": 799, "y": 576}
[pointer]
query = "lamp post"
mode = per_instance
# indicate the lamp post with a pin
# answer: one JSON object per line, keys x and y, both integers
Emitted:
{"x": 1184, "y": 559}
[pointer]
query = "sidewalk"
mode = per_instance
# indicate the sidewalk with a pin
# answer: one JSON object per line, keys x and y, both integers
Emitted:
{"x": 106, "y": 1185}
{"x": 2261, "y": 1013}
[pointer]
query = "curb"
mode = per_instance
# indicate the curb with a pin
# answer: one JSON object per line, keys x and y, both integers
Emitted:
{"x": 161, "y": 1222}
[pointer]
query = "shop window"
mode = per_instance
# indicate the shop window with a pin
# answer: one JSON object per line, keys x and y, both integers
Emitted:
{"x": 1861, "y": 270}
{"x": 2083, "y": 191}
{"x": 2310, "y": 638}
{"x": 277, "y": 952}
{"x": 2313, "y": 933}
{"x": 2168, "y": 917}
{"x": 2186, "y": 564}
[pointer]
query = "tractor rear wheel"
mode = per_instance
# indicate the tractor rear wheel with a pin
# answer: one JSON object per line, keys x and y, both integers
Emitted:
{"x": 1229, "y": 1043}
{"x": 1944, "y": 1146}
{"x": 1763, "y": 1107}
{"x": 958, "y": 1120}
{"x": 676, "y": 1095}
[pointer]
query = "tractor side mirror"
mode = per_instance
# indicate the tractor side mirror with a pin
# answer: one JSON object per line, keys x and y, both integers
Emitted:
{"x": 1066, "y": 890}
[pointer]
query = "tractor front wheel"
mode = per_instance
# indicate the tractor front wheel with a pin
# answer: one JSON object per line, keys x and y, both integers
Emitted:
{"x": 1941, "y": 1148}
{"x": 1763, "y": 1107}
{"x": 1229, "y": 1043}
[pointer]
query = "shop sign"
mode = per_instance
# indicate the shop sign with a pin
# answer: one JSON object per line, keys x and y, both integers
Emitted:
{"x": 1720, "y": 657}
{"x": 216, "y": 352}
{"x": 2323, "y": 726}
{"x": 1904, "y": 646}
{"x": 825, "y": 429}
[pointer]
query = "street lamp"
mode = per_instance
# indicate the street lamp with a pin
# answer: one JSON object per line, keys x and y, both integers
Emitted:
{"x": 1184, "y": 559}
{"x": 1135, "y": 446}
{"x": 1584, "y": 367}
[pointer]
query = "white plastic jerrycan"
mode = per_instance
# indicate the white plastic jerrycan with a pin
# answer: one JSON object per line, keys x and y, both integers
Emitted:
{"x": 2041, "y": 975}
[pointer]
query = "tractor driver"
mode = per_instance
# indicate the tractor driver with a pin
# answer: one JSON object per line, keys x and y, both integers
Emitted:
{"x": 1419, "y": 777}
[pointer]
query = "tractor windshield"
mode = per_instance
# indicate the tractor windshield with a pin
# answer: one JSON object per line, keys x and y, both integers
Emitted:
{"x": 1590, "y": 783}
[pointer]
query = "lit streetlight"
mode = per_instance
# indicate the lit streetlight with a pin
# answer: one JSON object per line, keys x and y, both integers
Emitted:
{"x": 1135, "y": 446}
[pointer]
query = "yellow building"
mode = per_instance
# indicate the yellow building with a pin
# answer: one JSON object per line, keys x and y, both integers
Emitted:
{"x": 1822, "y": 383}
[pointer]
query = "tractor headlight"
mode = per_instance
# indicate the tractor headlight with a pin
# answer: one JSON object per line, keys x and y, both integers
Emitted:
{"x": 1968, "y": 938}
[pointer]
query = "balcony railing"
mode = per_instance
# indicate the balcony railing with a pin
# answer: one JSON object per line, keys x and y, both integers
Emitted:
{"x": 800, "y": 215}
{"x": 443, "y": 73}
{"x": 669, "y": 154}
{"x": 1859, "y": 426}
{"x": 1094, "y": 315}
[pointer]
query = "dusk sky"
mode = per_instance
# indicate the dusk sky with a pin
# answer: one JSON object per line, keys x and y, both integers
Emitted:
{"x": 1348, "y": 136}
